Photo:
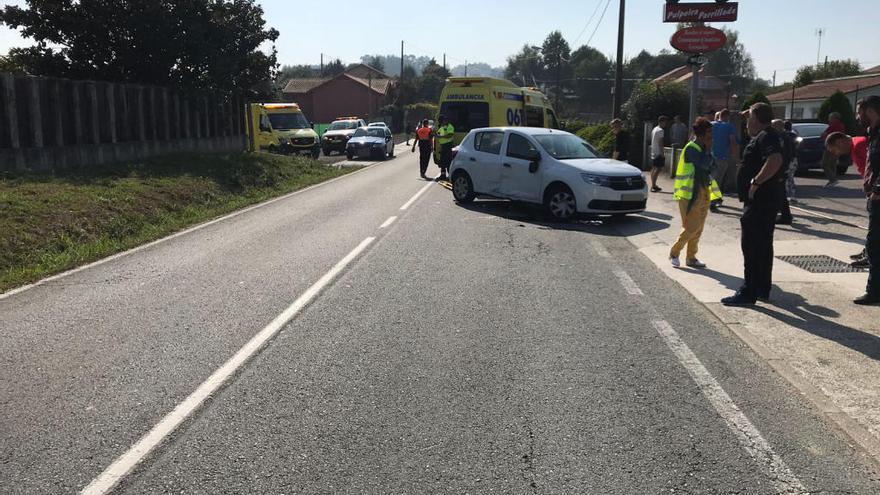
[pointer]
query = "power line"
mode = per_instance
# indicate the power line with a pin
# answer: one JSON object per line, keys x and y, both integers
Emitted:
{"x": 599, "y": 23}
{"x": 587, "y": 25}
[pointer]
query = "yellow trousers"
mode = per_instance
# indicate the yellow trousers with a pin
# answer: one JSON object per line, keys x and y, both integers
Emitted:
{"x": 692, "y": 222}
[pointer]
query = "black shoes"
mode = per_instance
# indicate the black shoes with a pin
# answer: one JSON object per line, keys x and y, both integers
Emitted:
{"x": 863, "y": 254}
{"x": 739, "y": 299}
{"x": 861, "y": 263}
{"x": 656, "y": 189}
{"x": 784, "y": 221}
{"x": 868, "y": 300}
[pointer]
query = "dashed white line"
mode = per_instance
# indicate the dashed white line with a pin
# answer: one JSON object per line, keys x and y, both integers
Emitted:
{"x": 749, "y": 436}
{"x": 414, "y": 198}
{"x": 124, "y": 464}
{"x": 628, "y": 283}
{"x": 388, "y": 222}
{"x": 600, "y": 249}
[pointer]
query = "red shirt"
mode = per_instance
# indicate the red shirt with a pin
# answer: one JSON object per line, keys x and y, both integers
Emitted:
{"x": 859, "y": 153}
{"x": 836, "y": 126}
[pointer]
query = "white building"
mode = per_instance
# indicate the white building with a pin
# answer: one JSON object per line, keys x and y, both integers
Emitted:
{"x": 807, "y": 100}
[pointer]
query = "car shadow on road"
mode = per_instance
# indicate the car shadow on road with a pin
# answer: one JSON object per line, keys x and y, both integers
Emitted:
{"x": 535, "y": 215}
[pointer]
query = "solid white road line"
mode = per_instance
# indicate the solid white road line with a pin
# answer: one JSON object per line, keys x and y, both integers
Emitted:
{"x": 600, "y": 249}
{"x": 124, "y": 464}
{"x": 388, "y": 222}
{"x": 827, "y": 217}
{"x": 414, "y": 198}
{"x": 628, "y": 283}
{"x": 749, "y": 436}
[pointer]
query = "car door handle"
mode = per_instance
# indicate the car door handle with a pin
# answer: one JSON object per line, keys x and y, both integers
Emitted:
{"x": 472, "y": 159}
{"x": 508, "y": 165}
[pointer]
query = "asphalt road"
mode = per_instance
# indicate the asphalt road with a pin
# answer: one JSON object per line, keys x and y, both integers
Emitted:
{"x": 463, "y": 350}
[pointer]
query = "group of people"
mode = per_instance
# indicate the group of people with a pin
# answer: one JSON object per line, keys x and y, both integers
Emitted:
{"x": 765, "y": 186}
{"x": 425, "y": 136}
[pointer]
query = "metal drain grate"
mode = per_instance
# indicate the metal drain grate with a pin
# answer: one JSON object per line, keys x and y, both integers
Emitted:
{"x": 820, "y": 264}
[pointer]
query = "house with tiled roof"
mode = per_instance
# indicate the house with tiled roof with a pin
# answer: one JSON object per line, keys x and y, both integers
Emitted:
{"x": 322, "y": 100}
{"x": 714, "y": 93}
{"x": 803, "y": 103}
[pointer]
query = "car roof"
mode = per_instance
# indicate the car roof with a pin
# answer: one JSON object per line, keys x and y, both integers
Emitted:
{"x": 531, "y": 131}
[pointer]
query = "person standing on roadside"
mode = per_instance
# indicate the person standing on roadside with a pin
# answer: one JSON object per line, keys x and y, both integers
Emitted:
{"x": 425, "y": 142}
{"x": 829, "y": 161}
{"x": 658, "y": 156}
{"x": 789, "y": 166}
{"x": 445, "y": 133}
{"x": 760, "y": 188}
{"x": 856, "y": 147}
{"x": 693, "y": 183}
{"x": 678, "y": 133}
{"x": 621, "y": 141}
{"x": 725, "y": 149}
{"x": 871, "y": 107}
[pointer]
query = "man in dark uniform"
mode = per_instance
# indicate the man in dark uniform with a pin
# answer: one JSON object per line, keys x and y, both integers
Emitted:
{"x": 425, "y": 141}
{"x": 871, "y": 107}
{"x": 760, "y": 186}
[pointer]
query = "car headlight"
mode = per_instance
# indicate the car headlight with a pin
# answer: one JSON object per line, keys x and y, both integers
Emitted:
{"x": 284, "y": 140}
{"x": 597, "y": 180}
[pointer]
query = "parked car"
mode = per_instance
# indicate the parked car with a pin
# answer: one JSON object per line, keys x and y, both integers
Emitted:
{"x": 370, "y": 142}
{"x": 545, "y": 166}
{"x": 340, "y": 131}
{"x": 378, "y": 124}
{"x": 811, "y": 146}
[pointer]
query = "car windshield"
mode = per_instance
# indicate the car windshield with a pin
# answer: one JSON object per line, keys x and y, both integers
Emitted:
{"x": 565, "y": 146}
{"x": 370, "y": 132}
{"x": 285, "y": 121}
{"x": 343, "y": 126}
{"x": 809, "y": 130}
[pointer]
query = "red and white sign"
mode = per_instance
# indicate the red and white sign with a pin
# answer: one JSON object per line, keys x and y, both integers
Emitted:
{"x": 700, "y": 12}
{"x": 699, "y": 39}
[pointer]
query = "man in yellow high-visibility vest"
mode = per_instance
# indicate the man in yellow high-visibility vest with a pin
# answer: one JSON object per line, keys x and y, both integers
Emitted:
{"x": 445, "y": 133}
{"x": 695, "y": 189}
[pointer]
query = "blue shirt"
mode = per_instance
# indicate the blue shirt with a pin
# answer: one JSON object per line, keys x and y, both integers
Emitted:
{"x": 721, "y": 132}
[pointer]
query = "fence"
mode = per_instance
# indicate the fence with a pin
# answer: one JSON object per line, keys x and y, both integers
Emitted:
{"x": 57, "y": 124}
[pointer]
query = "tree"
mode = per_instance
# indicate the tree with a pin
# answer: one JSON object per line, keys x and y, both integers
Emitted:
{"x": 733, "y": 63}
{"x": 432, "y": 81}
{"x": 838, "y": 102}
{"x": 757, "y": 97}
{"x": 591, "y": 73}
{"x": 556, "y": 55}
{"x": 525, "y": 67}
{"x": 648, "y": 66}
{"x": 190, "y": 44}
{"x": 829, "y": 70}
{"x": 377, "y": 63}
{"x": 650, "y": 100}
{"x": 334, "y": 68}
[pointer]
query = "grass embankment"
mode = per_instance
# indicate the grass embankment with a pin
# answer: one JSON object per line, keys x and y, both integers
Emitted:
{"x": 49, "y": 224}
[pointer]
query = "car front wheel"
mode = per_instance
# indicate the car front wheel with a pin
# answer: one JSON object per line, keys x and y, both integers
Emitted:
{"x": 561, "y": 203}
{"x": 463, "y": 188}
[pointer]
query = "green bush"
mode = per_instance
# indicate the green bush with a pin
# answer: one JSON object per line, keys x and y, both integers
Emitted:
{"x": 574, "y": 125}
{"x": 838, "y": 102}
{"x": 600, "y": 136}
{"x": 420, "y": 111}
{"x": 758, "y": 97}
{"x": 650, "y": 100}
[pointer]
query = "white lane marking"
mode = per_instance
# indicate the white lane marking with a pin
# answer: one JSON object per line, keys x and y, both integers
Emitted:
{"x": 827, "y": 217}
{"x": 749, "y": 436}
{"x": 190, "y": 230}
{"x": 124, "y": 464}
{"x": 414, "y": 198}
{"x": 600, "y": 249}
{"x": 388, "y": 222}
{"x": 628, "y": 283}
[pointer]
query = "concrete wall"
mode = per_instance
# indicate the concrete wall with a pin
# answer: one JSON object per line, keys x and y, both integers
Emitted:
{"x": 60, "y": 124}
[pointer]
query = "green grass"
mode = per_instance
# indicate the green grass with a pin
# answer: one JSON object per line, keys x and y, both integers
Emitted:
{"x": 49, "y": 224}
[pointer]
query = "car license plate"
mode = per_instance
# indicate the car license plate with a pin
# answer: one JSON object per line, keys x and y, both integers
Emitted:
{"x": 633, "y": 197}
{"x": 364, "y": 153}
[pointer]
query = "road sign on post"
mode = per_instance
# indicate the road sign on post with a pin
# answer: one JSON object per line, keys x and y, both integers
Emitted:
{"x": 700, "y": 12}
{"x": 698, "y": 39}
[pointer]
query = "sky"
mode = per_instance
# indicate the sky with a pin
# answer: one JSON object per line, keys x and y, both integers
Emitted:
{"x": 779, "y": 34}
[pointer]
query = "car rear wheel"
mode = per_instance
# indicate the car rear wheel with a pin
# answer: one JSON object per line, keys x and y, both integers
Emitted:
{"x": 327, "y": 152}
{"x": 349, "y": 155}
{"x": 463, "y": 188}
{"x": 561, "y": 203}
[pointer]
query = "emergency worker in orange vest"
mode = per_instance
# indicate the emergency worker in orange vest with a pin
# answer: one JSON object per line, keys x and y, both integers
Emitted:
{"x": 424, "y": 140}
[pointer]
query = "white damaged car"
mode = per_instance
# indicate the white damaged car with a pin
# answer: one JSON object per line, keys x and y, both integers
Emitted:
{"x": 545, "y": 166}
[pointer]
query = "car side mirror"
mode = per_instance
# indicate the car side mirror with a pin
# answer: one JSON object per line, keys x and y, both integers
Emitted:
{"x": 533, "y": 156}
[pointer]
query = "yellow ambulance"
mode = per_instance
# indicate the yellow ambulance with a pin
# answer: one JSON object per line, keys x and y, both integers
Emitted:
{"x": 474, "y": 102}
{"x": 281, "y": 128}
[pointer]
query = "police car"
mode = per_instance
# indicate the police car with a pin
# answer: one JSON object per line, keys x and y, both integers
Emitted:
{"x": 545, "y": 166}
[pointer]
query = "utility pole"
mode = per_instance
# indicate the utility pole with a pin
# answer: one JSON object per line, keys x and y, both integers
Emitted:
{"x": 444, "y": 62}
{"x": 774, "y": 78}
{"x": 322, "y": 65}
{"x": 618, "y": 73}
{"x": 820, "y": 32}
{"x": 465, "y": 68}
{"x": 401, "y": 60}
